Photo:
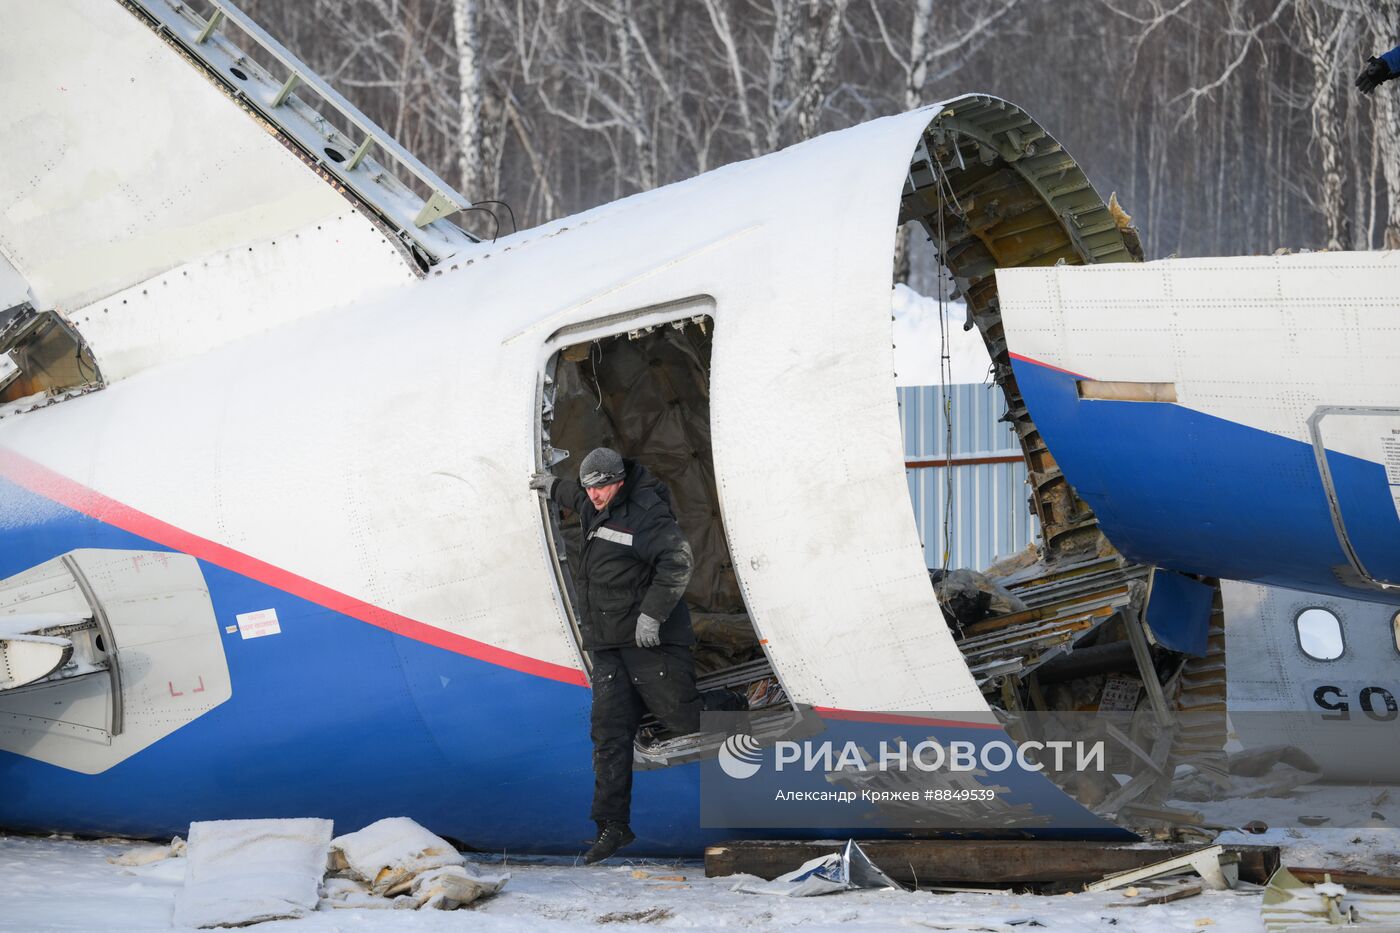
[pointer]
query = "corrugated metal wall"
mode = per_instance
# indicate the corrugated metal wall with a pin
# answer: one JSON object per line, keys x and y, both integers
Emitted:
{"x": 990, "y": 516}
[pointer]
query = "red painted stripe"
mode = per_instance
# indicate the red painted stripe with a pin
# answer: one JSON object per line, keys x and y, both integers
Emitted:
{"x": 45, "y": 482}
{"x": 899, "y": 719}
{"x": 1027, "y": 359}
{"x": 960, "y": 461}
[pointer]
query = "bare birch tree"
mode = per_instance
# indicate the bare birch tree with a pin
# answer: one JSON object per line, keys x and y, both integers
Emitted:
{"x": 1323, "y": 30}
{"x": 466, "y": 30}
{"x": 1383, "y": 17}
{"x": 914, "y": 65}
{"x": 1225, "y": 127}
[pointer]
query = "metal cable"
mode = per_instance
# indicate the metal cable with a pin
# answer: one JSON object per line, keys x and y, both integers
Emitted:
{"x": 945, "y": 378}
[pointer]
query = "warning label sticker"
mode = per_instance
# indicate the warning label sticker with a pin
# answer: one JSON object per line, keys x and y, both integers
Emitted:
{"x": 1120, "y": 695}
{"x": 1390, "y": 456}
{"x": 257, "y": 624}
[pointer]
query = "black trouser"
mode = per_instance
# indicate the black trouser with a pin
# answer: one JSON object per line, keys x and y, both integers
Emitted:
{"x": 627, "y": 683}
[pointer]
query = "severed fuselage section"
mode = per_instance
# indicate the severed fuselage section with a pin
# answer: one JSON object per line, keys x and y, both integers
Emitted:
{"x": 246, "y": 578}
{"x": 1079, "y": 627}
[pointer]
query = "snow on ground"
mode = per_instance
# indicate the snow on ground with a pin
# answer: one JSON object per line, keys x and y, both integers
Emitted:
{"x": 918, "y": 342}
{"x": 66, "y": 884}
{"x": 1362, "y": 832}
{"x": 58, "y": 883}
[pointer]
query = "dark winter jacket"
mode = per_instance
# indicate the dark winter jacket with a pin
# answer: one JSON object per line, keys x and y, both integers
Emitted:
{"x": 1392, "y": 60}
{"x": 634, "y": 560}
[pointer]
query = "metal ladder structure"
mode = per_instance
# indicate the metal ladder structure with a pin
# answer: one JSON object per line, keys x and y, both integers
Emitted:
{"x": 350, "y": 156}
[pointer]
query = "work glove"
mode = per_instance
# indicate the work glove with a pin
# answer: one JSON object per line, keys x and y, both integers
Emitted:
{"x": 543, "y": 483}
{"x": 1374, "y": 74}
{"x": 648, "y": 631}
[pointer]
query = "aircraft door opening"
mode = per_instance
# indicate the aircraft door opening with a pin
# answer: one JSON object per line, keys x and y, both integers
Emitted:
{"x": 642, "y": 386}
{"x": 1358, "y": 457}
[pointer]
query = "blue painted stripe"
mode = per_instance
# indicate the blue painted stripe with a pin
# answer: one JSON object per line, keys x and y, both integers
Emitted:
{"x": 1186, "y": 490}
{"x": 339, "y": 719}
{"x": 342, "y": 719}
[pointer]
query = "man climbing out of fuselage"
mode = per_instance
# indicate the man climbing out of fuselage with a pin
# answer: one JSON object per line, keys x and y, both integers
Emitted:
{"x": 633, "y": 570}
{"x": 1379, "y": 70}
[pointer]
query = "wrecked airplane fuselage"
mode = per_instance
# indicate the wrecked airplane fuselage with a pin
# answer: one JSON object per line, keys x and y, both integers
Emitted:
{"x": 993, "y": 190}
{"x": 385, "y": 622}
{"x": 1252, "y": 403}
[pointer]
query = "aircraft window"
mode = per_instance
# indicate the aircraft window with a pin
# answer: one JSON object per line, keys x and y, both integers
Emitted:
{"x": 1320, "y": 634}
{"x": 1395, "y": 629}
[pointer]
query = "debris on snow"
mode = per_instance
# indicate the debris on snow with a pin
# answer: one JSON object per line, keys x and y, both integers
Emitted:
{"x": 1271, "y": 771}
{"x": 146, "y": 855}
{"x": 642, "y": 875}
{"x": 451, "y": 886}
{"x": 348, "y": 893}
{"x": 988, "y": 926}
{"x": 387, "y": 855}
{"x": 239, "y": 872}
{"x": 846, "y": 870}
{"x": 67, "y": 884}
{"x": 654, "y": 915}
{"x": 398, "y": 859}
{"x": 1163, "y": 895}
{"x": 1290, "y": 902}
{"x": 1218, "y": 869}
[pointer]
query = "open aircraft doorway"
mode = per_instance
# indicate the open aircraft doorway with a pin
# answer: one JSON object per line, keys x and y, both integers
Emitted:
{"x": 640, "y": 384}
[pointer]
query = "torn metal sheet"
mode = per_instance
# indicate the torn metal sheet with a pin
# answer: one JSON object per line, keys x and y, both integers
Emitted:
{"x": 1164, "y": 894}
{"x": 1291, "y": 904}
{"x": 846, "y": 870}
{"x": 1219, "y": 870}
{"x": 1178, "y": 612}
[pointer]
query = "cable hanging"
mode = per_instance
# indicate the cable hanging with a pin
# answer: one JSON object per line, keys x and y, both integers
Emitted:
{"x": 945, "y": 358}
{"x": 496, "y": 229}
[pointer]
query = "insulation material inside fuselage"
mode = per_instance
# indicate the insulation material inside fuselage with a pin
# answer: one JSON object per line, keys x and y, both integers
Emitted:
{"x": 649, "y": 398}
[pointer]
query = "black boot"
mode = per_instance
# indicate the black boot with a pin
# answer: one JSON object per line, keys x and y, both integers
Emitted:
{"x": 613, "y": 837}
{"x": 723, "y": 699}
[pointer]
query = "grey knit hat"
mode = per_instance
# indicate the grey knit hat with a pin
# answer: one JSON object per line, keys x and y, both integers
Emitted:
{"x": 601, "y": 467}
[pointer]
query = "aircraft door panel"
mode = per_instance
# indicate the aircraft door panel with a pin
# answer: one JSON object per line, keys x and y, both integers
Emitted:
{"x": 147, "y": 656}
{"x": 1358, "y": 454}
